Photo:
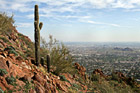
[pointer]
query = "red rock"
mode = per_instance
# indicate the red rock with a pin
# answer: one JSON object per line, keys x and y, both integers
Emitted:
{"x": 2, "y": 57}
{"x": 1, "y": 50}
{"x": 4, "y": 44}
{"x": 13, "y": 36}
{"x": 77, "y": 66}
{"x": 2, "y": 86}
{"x": 3, "y": 63}
{"x": 47, "y": 87}
{"x": 61, "y": 86}
{"x": 84, "y": 87}
{"x": 67, "y": 84}
{"x": 19, "y": 58}
{"x": 16, "y": 71}
{"x": 54, "y": 82}
{"x": 100, "y": 72}
{"x": 5, "y": 84}
{"x": 11, "y": 55}
{"x": 52, "y": 88}
{"x": 38, "y": 87}
{"x": 28, "y": 78}
{"x": 32, "y": 91}
{"x": 81, "y": 70}
{"x": 38, "y": 78}
{"x": 69, "y": 78}
{"x": 20, "y": 83}
{"x": 4, "y": 54}
{"x": 27, "y": 72}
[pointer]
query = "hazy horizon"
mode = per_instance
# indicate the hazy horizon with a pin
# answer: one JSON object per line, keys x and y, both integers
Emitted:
{"x": 78, "y": 20}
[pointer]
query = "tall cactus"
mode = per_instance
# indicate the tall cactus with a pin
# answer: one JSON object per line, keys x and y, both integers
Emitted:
{"x": 38, "y": 27}
{"x": 42, "y": 61}
{"x": 48, "y": 63}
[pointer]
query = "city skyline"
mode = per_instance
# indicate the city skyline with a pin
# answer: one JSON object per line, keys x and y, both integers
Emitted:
{"x": 78, "y": 20}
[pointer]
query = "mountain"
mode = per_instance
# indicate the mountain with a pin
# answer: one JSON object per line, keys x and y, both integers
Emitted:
{"x": 18, "y": 74}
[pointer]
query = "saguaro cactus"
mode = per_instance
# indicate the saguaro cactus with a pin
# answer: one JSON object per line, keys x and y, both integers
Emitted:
{"x": 38, "y": 27}
{"x": 48, "y": 63}
{"x": 42, "y": 61}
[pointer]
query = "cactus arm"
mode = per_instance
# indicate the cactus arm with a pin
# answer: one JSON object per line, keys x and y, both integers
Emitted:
{"x": 36, "y": 14}
{"x": 40, "y": 25}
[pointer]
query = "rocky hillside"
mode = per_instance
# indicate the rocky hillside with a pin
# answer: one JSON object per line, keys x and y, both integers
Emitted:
{"x": 18, "y": 74}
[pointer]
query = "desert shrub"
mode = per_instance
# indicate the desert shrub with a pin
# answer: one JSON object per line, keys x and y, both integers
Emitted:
{"x": 114, "y": 76}
{"x": 63, "y": 78}
{"x": 28, "y": 86}
{"x": 95, "y": 77}
{"x": 4, "y": 39}
{"x": 121, "y": 87}
{"x": 76, "y": 86}
{"x": 1, "y": 91}
{"x": 72, "y": 90}
{"x": 80, "y": 80}
{"x": 1, "y": 46}
{"x": 61, "y": 59}
{"x": 3, "y": 72}
{"x": 136, "y": 90}
{"x": 5, "y": 22}
{"x": 11, "y": 50}
{"x": 104, "y": 87}
{"x": 43, "y": 69}
{"x": 11, "y": 80}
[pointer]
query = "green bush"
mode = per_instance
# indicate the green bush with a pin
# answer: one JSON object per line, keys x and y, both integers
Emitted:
{"x": 4, "y": 39}
{"x": 1, "y": 91}
{"x": 95, "y": 77}
{"x": 63, "y": 78}
{"x": 77, "y": 86}
{"x": 6, "y": 22}
{"x": 28, "y": 86}
{"x": 3, "y": 72}
{"x": 61, "y": 59}
{"x": 11, "y": 50}
{"x": 11, "y": 80}
{"x": 114, "y": 76}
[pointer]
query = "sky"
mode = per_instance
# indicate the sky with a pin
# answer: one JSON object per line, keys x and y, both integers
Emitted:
{"x": 78, "y": 20}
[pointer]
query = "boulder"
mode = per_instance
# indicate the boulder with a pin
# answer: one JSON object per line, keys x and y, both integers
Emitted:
{"x": 5, "y": 84}
{"x": 100, "y": 72}
{"x": 38, "y": 78}
{"x": 81, "y": 70}
{"x": 38, "y": 87}
{"x": 61, "y": 86}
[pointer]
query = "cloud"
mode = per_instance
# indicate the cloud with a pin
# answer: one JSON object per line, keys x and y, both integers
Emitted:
{"x": 68, "y": 5}
{"x": 99, "y": 23}
{"x": 30, "y": 16}
{"x": 59, "y": 7}
{"x": 15, "y": 5}
{"x": 68, "y": 8}
{"x": 25, "y": 25}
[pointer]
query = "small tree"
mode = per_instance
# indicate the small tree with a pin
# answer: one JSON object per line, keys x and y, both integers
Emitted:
{"x": 60, "y": 56}
{"x": 5, "y": 22}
